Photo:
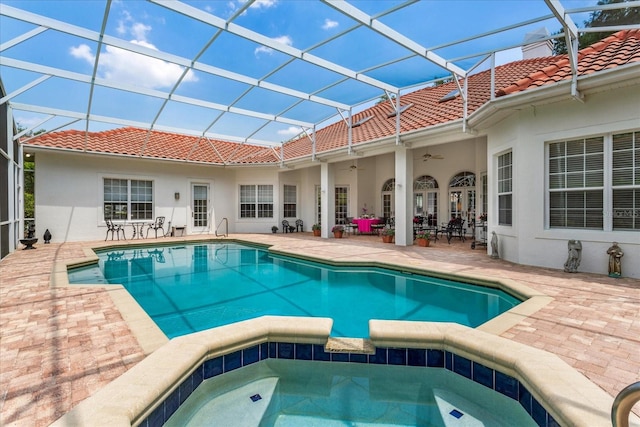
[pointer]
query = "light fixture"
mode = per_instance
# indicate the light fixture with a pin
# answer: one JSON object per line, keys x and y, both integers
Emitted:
{"x": 177, "y": 196}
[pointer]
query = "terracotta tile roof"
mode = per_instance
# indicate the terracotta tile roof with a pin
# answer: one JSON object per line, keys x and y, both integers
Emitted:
{"x": 426, "y": 109}
{"x": 137, "y": 142}
{"x": 618, "y": 49}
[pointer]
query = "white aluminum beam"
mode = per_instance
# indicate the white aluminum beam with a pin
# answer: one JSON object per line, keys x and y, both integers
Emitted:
{"x": 26, "y": 36}
{"x": 163, "y": 56}
{"x": 24, "y": 88}
{"x": 15, "y": 63}
{"x": 571, "y": 37}
{"x": 237, "y": 30}
{"x": 356, "y": 14}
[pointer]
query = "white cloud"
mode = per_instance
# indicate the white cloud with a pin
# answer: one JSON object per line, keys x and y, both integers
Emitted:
{"x": 264, "y": 49}
{"x": 329, "y": 24}
{"x": 263, "y": 4}
{"x": 82, "y": 52}
{"x": 140, "y": 30}
{"x": 290, "y": 131}
{"x": 133, "y": 68}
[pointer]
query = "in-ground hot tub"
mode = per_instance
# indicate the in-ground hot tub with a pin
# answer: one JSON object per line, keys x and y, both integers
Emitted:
{"x": 148, "y": 394}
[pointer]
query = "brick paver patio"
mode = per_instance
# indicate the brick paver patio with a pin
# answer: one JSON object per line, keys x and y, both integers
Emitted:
{"x": 59, "y": 345}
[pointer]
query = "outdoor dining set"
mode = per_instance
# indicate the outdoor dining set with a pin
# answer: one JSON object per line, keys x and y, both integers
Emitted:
{"x": 138, "y": 228}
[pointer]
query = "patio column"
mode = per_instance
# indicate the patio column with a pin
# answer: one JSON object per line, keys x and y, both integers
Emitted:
{"x": 403, "y": 196}
{"x": 327, "y": 198}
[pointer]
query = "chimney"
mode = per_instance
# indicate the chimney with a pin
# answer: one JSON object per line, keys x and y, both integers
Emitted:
{"x": 536, "y": 45}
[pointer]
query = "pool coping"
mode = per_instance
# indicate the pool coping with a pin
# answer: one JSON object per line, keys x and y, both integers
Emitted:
{"x": 545, "y": 371}
{"x": 568, "y": 396}
{"x": 150, "y": 337}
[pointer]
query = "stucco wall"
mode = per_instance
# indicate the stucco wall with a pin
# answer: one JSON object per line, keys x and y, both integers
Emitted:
{"x": 529, "y": 240}
{"x": 69, "y": 192}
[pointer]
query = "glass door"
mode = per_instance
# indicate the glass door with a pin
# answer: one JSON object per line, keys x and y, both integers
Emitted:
{"x": 199, "y": 208}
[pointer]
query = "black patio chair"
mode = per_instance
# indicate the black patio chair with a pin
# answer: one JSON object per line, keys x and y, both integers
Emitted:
{"x": 455, "y": 228}
{"x": 286, "y": 227}
{"x": 114, "y": 229}
{"x": 157, "y": 225}
{"x": 299, "y": 225}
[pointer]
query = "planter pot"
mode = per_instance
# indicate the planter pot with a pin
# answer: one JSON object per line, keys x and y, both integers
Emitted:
{"x": 387, "y": 239}
{"x": 337, "y": 234}
{"x": 316, "y": 233}
{"x": 422, "y": 242}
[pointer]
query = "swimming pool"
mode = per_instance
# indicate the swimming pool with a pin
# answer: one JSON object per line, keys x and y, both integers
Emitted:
{"x": 191, "y": 287}
{"x": 279, "y": 392}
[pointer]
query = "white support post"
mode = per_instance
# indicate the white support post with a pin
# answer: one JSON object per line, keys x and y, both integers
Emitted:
{"x": 327, "y": 198}
{"x": 403, "y": 196}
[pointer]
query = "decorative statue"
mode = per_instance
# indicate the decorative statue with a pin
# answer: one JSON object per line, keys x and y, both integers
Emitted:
{"x": 615, "y": 261}
{"x": 575, "y": 255}
{"x": 47, "y": 236}
{"x": 31, "y": 229}
{"x": 494, "y": 245}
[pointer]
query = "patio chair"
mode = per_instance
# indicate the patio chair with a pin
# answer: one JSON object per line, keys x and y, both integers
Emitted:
{"x": 286, "y": 227}
{"x": 377, "y": 228}
{"x": 455, "y": 228}
{"x": 350, "y": 226}
{"x": 157, "y": 225}
{"x": 114, "y": 229}
{"x": 299, "y": 225}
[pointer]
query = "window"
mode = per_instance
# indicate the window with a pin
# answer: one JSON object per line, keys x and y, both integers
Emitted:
{"x": 425, "y": 198}
{"x": 576, "y": 183}
{"x": 290, "y": 196}
{"x": 256, "y": 201}
{"x": 505, "y": 189}
{"x": 462, "y": 196}
{"x": 626, "y": 181}
{"x": 318, "y": 205}
{"x": 341, "y": 200}
{"x": 580, "y": 171}
{"x": 388, "y": 198}
{"x": 126, "y": 199}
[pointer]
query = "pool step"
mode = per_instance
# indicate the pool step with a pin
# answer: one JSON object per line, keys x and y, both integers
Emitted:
{"x": 242, "y": 407}
{"x": 349, "y": 345}
{"x": 301, "y": 420}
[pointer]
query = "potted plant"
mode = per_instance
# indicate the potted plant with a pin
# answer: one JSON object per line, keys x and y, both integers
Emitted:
{"x": 337, "y": 231}
{"x": 316, "y": 228}
{"x": 387, "y": 235}
{"x": 422, "y": 238}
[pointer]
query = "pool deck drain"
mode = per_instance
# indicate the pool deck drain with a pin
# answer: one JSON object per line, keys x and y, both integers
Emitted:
{"x": 349, "y": 345}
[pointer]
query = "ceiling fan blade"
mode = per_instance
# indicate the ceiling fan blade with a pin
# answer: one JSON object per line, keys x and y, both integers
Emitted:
{"x": 428, "y": 156}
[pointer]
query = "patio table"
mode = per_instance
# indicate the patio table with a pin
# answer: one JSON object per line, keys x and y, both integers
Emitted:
{"x": 364, "y": 224}
{"x": 138, "y": 228}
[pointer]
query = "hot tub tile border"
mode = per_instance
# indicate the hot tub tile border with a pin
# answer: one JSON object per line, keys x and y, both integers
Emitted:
{"x": 397, "y": 356}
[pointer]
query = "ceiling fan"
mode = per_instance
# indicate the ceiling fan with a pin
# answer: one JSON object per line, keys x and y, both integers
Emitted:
{"x": 427, "y": 156}
{"x": 353, "y": 167}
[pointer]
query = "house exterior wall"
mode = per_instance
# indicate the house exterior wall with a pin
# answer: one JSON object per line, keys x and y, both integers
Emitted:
{"x": 529, "y": 240}
{"x": 69, "y": 192}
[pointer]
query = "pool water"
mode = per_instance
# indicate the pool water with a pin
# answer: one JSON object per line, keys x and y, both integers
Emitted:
{"x": 192, "y": 287}
{"x": 283, "y": 393}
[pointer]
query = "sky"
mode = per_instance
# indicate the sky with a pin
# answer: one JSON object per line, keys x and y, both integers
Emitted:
{"x": 306, "y": 26}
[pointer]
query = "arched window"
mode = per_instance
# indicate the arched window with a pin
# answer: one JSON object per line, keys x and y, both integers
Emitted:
{"x": 388, "y": 201}
{"x": 462, "y": 196}
{"x": 463, "y": 179}
{"x": 425, "y": 198}
{"x": 389, "y": 185}
{"x": 425, "y": 182}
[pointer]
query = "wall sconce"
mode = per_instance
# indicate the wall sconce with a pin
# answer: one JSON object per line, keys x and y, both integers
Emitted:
{"x": 177, "y": 196}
